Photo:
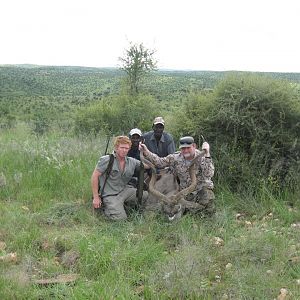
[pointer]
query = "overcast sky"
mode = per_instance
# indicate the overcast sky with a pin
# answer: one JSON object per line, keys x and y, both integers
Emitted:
{"x": 247, "y": 35}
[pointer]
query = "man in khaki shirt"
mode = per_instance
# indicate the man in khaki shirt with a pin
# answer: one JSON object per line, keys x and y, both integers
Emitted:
{"x": 115, "y": 191}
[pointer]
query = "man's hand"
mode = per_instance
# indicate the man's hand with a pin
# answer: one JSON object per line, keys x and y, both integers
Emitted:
{"x": 97, "y": 202}
{"x": 206, "y": 148}
{"x": 144, "y": 149}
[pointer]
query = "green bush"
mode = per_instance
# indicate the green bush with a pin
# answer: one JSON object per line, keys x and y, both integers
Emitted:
{"x": 7, "y": 118}
{"x": 192, "y": 118}
{"x": 252, "y": 123}
{"x": 116, "y": 114}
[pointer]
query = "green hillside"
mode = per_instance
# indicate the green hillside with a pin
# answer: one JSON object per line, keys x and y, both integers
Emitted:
{"x": 25, "y": 87}
{"x": 28, "y": 80}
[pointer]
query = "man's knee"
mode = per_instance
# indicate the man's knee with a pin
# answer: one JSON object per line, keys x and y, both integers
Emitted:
{"x": 207, "y": 199}
{"x": 114, "y": 208}
{"x": 115, "y": 216}
{"x": 115, "y": 213}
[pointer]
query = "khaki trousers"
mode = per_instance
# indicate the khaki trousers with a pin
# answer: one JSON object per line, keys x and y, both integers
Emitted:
{"x": 114, "y": 205}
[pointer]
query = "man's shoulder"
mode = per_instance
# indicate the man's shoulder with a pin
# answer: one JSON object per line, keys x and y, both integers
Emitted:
{"x": 198, "y": 152}
{"x": 105, "y": 158}
{"x": 174, "y": 156}
{"x": 147, "y": 134}
{"x": 178, "y": 155}
{"x": 105, "y": 161}
{"x": 168, "y": 136}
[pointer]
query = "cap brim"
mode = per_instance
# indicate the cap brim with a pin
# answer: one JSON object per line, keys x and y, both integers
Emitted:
{"x": 159, "y": 123}
{"x": 185, "y": 146}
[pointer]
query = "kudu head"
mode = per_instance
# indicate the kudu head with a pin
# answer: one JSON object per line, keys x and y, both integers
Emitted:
{"x": 174, "y": 205}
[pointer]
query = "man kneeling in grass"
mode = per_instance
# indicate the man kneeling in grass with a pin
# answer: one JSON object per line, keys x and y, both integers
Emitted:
{"x": 110, "y": 181}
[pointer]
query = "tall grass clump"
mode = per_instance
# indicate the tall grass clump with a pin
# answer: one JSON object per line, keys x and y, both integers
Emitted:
{"x": 53, "y": 167}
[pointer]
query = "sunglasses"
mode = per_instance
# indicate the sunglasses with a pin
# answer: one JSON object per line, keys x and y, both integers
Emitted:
{"x": 188, "y": 140}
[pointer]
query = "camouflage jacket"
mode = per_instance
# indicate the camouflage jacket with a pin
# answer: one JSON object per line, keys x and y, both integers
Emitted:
{"x": 179, "y": 167}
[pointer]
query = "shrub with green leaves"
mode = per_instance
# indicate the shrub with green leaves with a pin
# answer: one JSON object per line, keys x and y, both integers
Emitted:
{"x": 117, "y": 114}
{"x": 252, "y": 123}
{"x": 7, "y": 119}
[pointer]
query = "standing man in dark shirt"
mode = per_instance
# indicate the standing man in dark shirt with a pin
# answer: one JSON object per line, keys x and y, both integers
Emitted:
{"x": 158, "y": 141}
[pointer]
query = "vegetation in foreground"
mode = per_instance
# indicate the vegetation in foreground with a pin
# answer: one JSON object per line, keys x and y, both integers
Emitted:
{"x": 249, "y": 250}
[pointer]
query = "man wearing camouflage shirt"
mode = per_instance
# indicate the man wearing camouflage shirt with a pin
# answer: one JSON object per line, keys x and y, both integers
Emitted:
{"x": 179, "y": 163}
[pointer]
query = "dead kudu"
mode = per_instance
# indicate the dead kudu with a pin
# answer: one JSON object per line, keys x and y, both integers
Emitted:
{"x": 173, "y": 201}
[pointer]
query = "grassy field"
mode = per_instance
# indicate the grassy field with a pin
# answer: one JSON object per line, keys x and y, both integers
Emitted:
{"x": 249, "y": 250}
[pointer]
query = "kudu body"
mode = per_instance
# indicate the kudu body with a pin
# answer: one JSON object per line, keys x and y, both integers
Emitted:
{"x": 166, "y": 191}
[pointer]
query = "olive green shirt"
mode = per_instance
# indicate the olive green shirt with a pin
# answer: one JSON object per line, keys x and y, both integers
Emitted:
{"x": 117, "y": 180}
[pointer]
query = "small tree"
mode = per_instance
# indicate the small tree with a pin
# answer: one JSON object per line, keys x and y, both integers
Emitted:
{"x": 137, "y": 62}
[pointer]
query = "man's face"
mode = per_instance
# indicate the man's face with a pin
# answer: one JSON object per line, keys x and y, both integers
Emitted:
{"x": 188, "y": 152}
{"x": 158, "y": 129}
{"x": 135, "y": 140}
{"x": 122, "y": 150}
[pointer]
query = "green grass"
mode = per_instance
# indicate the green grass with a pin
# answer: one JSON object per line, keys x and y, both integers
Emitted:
{"x": 45, "y": 214}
